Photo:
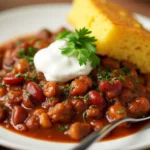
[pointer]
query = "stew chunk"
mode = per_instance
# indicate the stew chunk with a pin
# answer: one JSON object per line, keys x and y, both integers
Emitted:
{"x": 61, "y": 112}
{"x": 79, "y": 130}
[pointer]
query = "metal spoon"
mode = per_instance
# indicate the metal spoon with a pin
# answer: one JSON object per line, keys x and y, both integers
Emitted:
{"x": 101, "y": 133}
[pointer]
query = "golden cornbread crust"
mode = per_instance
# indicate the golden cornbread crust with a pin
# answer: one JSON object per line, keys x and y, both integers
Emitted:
{"x": 119, "y": 35}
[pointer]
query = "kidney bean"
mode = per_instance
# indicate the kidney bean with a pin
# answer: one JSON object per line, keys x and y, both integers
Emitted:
{"x": 27, "y": 100}
{"x": 44, "y": 34}
{"x": 79, "y": 87}
{"x": 128, "y": 64}
{"x": 19, "y": 114}
{"x": 96, "y": 98}
{"x": 35, "y": 91}
{"x": 112, "y": 89}
{"x": 12, "y": 80}
{"x": 33, "y": 122}
{"x": 110, "y": 63}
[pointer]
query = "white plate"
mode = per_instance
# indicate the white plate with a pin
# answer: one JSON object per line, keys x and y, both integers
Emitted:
{"x": 30, "y": 19}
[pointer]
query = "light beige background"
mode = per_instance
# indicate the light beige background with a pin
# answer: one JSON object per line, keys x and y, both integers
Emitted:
{"x": 140, "y": 6}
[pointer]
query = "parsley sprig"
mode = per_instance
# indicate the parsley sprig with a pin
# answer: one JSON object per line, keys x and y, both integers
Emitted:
{"x": 29, "y": 57}
{"x": 80, "y": 44}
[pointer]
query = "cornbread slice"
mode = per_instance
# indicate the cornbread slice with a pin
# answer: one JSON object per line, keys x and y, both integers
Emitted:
{"x": 119, "y": 35}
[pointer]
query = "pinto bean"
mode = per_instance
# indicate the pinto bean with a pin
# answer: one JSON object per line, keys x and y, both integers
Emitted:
{"x": 79, "y": 87}
{"x": 79, "y": 105}
{"x": 50, "y": 89}
{"x": 22, "y": 66}
{"x": 45, "y": 121}
{"x": 19, "y": 114}
{"x": 61, "y": 112}
{"x": 139, "y": 107}
{"x": 116, "y": 112}
{"x": 79, "y": 130}
{"x": 86, "y": 80}
{"x": 93, "y": 113}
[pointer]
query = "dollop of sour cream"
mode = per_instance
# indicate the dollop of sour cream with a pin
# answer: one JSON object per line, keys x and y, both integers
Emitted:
{"x": 58, "y": 67}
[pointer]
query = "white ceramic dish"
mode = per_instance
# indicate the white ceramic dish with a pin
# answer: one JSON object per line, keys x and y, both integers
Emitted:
{"x": 21, "y": 21}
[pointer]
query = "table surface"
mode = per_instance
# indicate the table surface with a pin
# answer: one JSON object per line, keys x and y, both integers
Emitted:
{"x": 139, "y": 6}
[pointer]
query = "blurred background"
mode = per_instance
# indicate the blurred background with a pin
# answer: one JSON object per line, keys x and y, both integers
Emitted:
{"x": 140, "y": 6}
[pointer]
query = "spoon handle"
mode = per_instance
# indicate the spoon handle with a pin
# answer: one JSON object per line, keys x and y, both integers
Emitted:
{"x": 101, "y": 133}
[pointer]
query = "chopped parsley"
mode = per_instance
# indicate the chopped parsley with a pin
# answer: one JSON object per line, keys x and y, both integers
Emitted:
{"x": 1, "y": 84}
{"x": 78, "y": 97}
{"x": 28, "y": 94}
{"x": 3, "y": 107}
{"x": 30, "y": 77}
{"x": 81, "y": 45}
{"x": 121, "y": 111}
{"x": 126, "y": 71}
{"x": 121, "y": 78}
{"x": 86, "y": 97}
{"x": 17, "y": 75}
{"x": 84, "y": 116}
{"x": 63, "y": 128}
{"x": 29, "y": 57}
{"x": 136, "y": 81}
{"x": 52, "y": 99}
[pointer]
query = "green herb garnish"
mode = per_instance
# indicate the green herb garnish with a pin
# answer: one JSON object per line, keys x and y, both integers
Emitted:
{"x": 86, "y": 97}
{"x": 28, "y": 94}
{"x": 29, "y": 57}
{"x": 52, "y": 99}
{"x": 63, "y": 128}
{"x": 121, "y": 78}
{"x": 136, "y": 81}
{"x": 84, "y": 116}
{"x": 1, "y": 84}
{"x": 127, "y": 71}
{"x": 17, "y": 75}
{"x": 81, "y": 45}
{"x": 121, "y": 111}
{"x": 3, "y": 107}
